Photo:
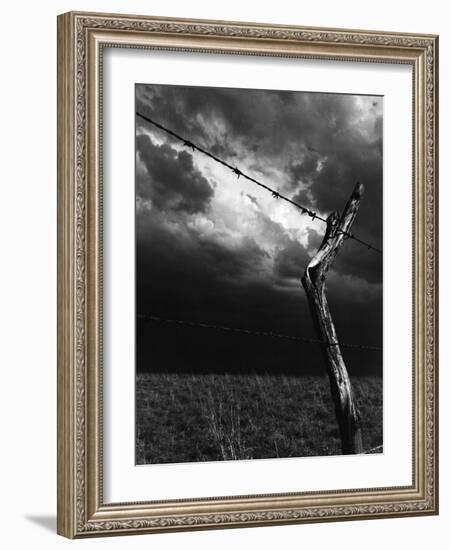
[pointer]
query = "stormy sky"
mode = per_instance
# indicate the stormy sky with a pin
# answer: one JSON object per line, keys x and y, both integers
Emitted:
{"x": 216, "y": 249}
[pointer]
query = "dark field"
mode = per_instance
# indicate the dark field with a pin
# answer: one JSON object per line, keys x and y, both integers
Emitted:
{"x": 210, "y": 417}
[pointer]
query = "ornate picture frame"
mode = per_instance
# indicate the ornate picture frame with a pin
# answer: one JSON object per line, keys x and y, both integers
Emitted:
{"x": 82, "y": 509}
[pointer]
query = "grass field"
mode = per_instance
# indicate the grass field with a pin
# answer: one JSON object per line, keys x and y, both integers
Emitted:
{"x": 209, "y": 417}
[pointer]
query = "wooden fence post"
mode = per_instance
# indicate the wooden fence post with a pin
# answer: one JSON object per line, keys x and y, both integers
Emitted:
{"x": 347, "y": 413}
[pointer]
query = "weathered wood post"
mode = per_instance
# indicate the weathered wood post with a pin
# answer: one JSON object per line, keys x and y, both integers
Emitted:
{"x": 347, "y": 413}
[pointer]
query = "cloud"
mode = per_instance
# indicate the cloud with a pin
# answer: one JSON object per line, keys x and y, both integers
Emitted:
{"x": 291, "y": 261}
{"x": 171, "y": 180}
{"x": 312, "y": 146}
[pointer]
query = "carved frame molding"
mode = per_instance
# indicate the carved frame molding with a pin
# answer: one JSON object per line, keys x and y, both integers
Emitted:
{"x": 81, "y": 37}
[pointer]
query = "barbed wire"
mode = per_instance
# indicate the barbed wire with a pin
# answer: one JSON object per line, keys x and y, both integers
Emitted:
{"x": 265, "y": 333}
{"x": 239, "y": 173}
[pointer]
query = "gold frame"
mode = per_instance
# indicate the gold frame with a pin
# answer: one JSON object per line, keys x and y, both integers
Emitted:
{"x": 81, "y": 37}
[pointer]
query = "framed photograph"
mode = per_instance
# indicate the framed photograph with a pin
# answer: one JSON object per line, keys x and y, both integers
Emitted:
{"x": 247, "y": 288}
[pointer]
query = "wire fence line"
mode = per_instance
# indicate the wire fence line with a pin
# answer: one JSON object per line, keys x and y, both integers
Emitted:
{"x": 239, "y": 173}
{"x": 267, "y": 334}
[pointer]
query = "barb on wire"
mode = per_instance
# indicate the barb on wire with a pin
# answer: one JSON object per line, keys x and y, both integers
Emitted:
{"x": 265, "y": 333}
{"x": 239, "y": 173}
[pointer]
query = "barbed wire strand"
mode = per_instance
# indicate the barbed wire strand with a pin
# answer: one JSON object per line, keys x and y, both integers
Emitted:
{"x": 239, "y": 173}
{"x": 270, "y": 334}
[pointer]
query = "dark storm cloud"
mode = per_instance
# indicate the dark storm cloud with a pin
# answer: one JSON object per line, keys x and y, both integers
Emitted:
{"x": 291, "y": 261}
{"x": 186, "y": 253}
{"x": 181, "y": 273}
{"x": 360, "y": 262}
{"x": 173, "y": 182}
{"x": 306, "y": 170}
{"x": 314, "y": 240}
{"x": 313, "y": 139}
{"x": 271, "y": 122}
{"x": 329, "y": 187}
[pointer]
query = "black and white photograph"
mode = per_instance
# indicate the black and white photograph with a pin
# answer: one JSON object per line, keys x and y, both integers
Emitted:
{"x": 258, "y": 273}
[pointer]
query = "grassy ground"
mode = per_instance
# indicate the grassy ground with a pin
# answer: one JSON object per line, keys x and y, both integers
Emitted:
{"x": 193, "y": 417}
